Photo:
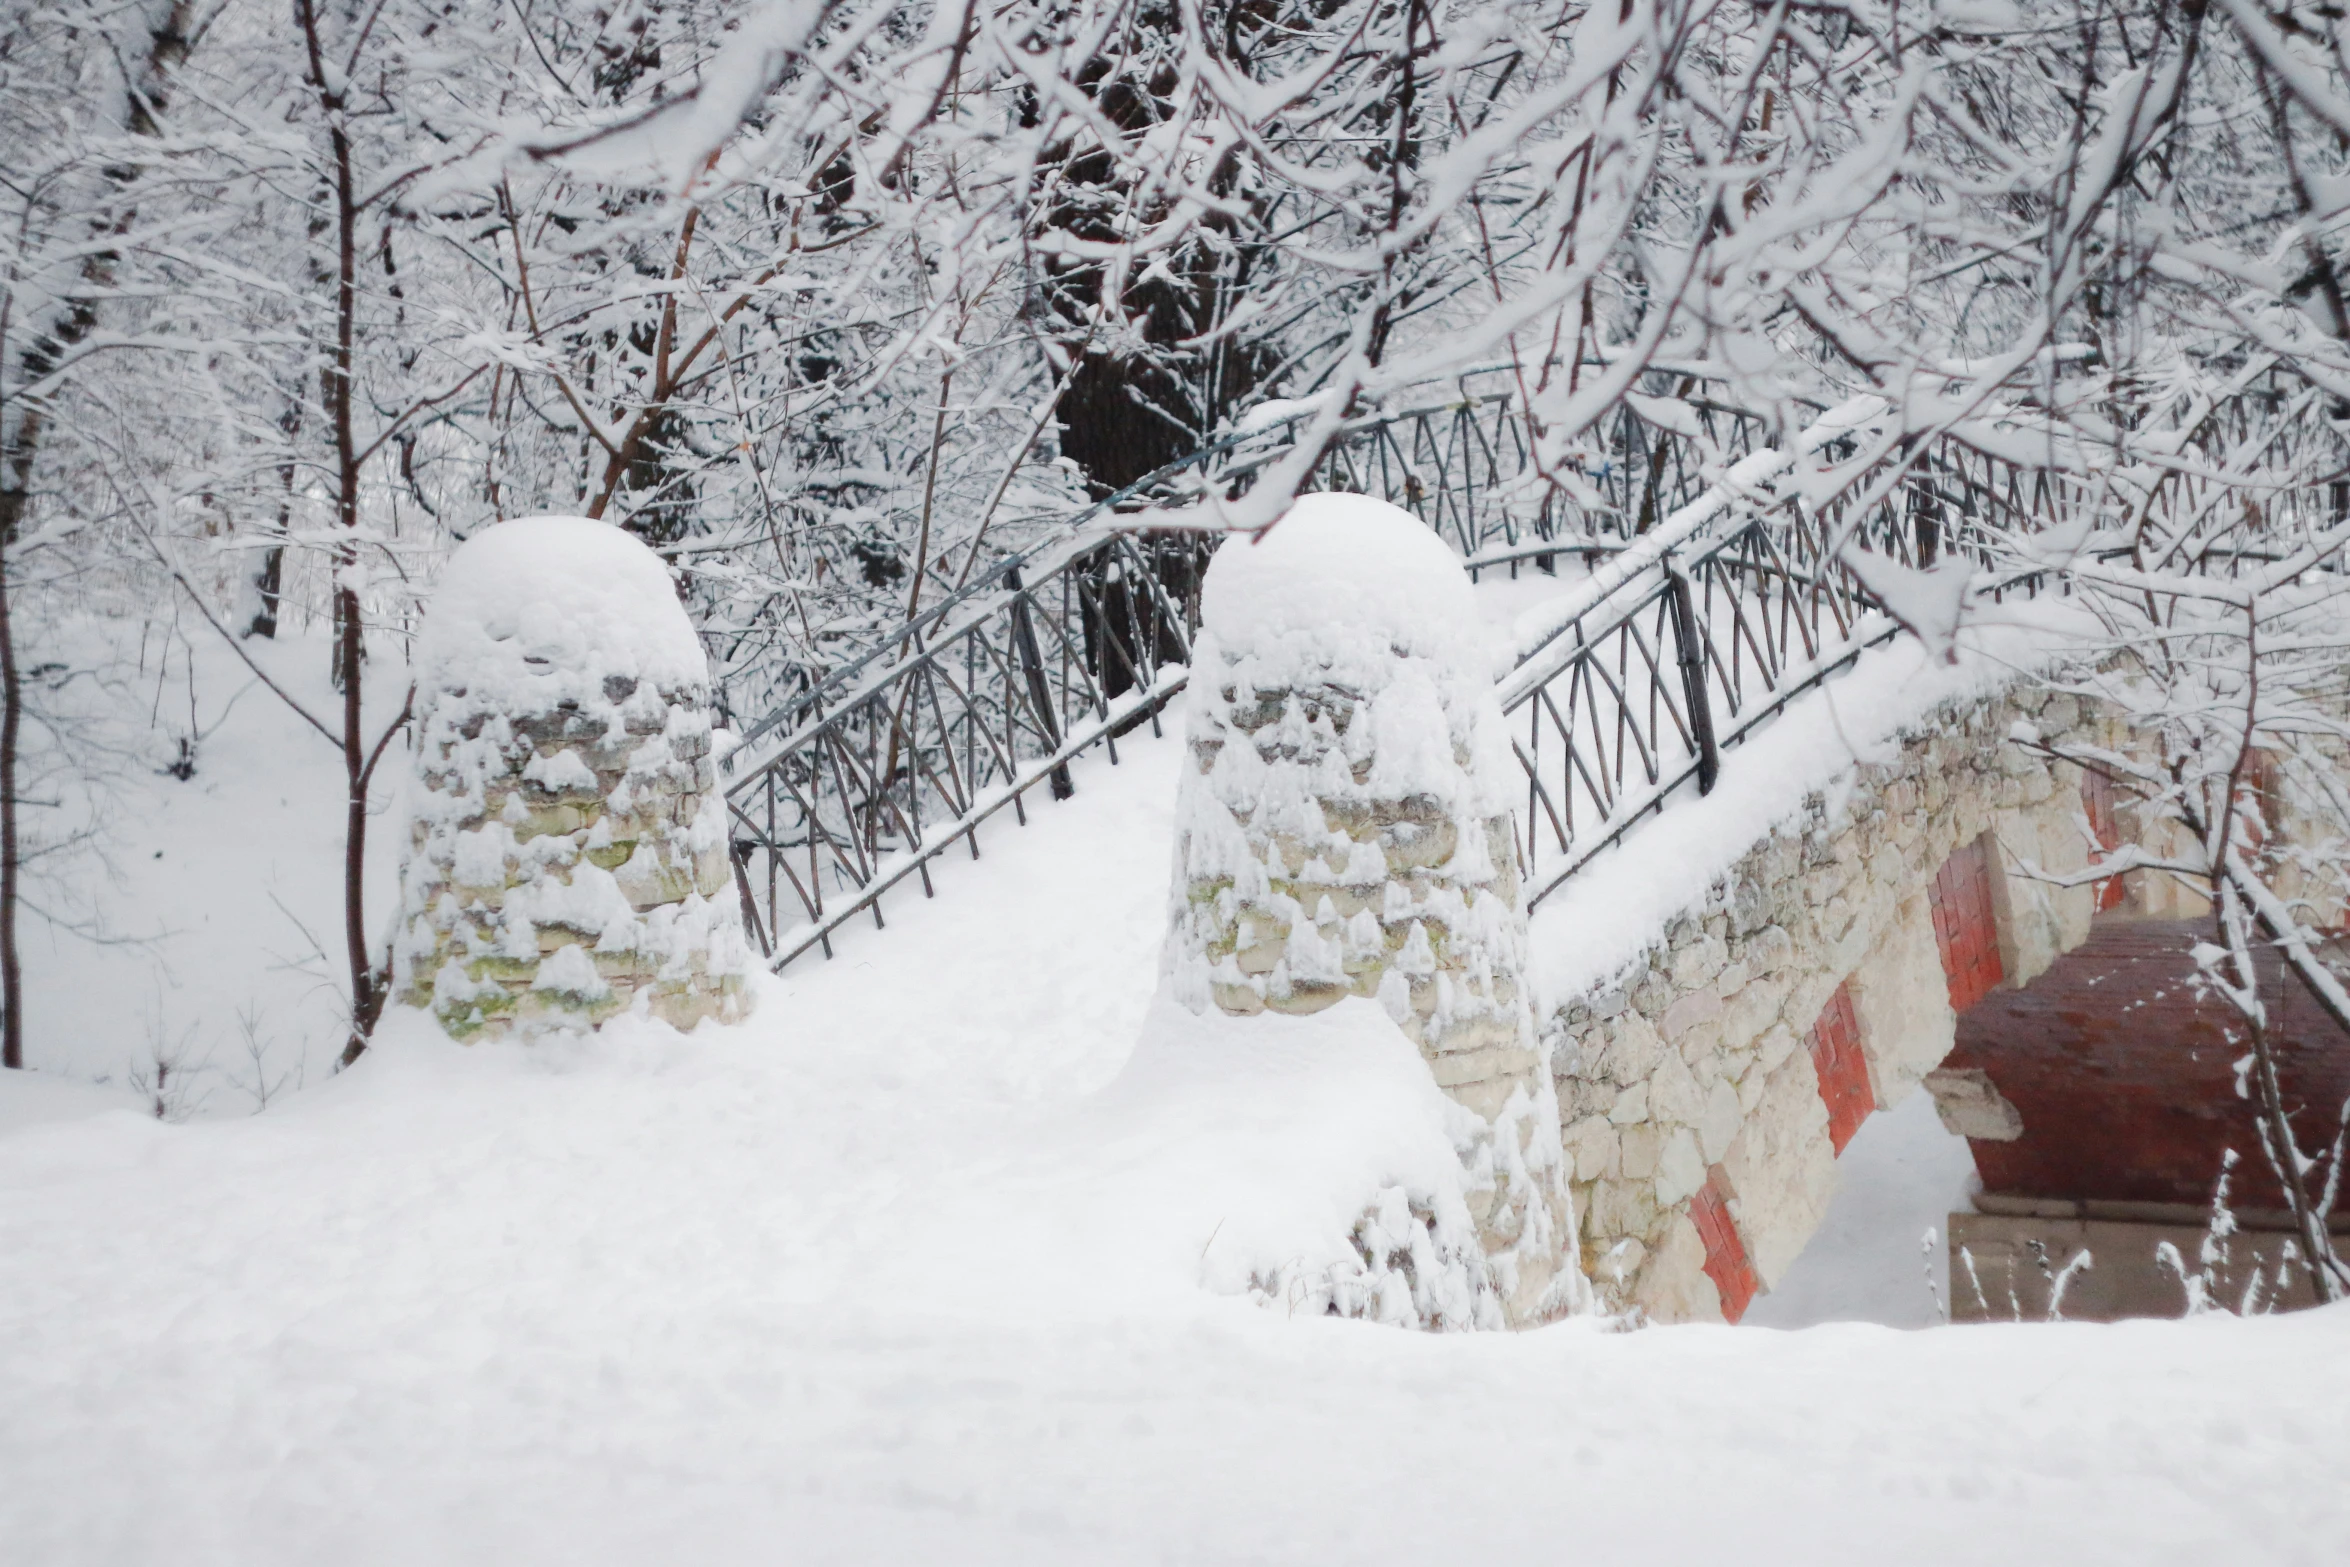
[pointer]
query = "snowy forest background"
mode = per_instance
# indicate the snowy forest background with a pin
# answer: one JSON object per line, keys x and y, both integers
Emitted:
{"x": 837, "y": 302}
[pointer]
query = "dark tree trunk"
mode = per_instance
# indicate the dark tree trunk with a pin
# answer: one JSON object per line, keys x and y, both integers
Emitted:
{"x": 11, "y": 713}
{"x": 335, "y": 386}
{"x": 1126, "y": 414}
{"x": 269, "y": 585}
{"x": 269, "y": 582}
{"x": 20, "y": 444}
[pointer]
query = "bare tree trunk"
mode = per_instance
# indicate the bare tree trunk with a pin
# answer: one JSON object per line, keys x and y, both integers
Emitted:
{"x": 2283, "y": 1150}
{"x": 269, "y": 583}
{"x": 20, "y": 444}
{"x": 16, "y": 470}
{"x": 269, "y": 586}
{"x": 366, "y": 1003}
{"x": 335, "y": 385}
{"x": 11, "y": 712}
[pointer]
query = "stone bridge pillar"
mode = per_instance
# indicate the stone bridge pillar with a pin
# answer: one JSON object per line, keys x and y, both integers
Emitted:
{"x": 566, "y": 859}
{"x": 1346, "y": 830}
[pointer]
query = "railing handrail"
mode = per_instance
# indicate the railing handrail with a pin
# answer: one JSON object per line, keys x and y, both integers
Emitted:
{"x": 1647, "y": 553}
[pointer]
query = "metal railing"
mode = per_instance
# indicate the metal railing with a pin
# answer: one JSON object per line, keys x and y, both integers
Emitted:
{"x": 861, "y": 783}
{"x": 1683, "y": 646}
{"x": 869, "y": 789}
{"x": 1719, "y": 599}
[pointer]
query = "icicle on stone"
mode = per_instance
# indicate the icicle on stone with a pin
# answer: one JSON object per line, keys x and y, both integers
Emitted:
{"x": 567, "y": 856}
{"x": 1346, "y": 829}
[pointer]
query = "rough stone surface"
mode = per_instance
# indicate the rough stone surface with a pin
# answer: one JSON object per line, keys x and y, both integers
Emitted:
{"x": 1345, "y": 830}
{"x": 566, "y": 855}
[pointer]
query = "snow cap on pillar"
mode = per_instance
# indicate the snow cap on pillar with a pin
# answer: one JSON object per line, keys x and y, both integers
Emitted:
{"x": 567, "y": 848}
{"x": 1347, "y": 563}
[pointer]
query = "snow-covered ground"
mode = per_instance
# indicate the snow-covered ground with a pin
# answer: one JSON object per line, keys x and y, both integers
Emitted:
{"x": 1897, "y": 1182}
{"x": 200, "y": 923}
{"x": 203, "y": 921}
{"x": 914, "y": 1267}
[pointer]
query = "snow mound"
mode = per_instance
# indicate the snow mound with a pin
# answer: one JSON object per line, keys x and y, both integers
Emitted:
{"x": 1343, "y": 840}
{"x": 535, "y": 604}
{"x": 1309, "y": 1163}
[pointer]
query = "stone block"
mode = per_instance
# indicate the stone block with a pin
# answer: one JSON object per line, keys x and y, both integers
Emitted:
{"x": 1622, "y": 1207}
{"x": 1696, "y": 1008}
{"x": 1634, "y": 1048}
{"x": 1591, "y": 1144}
{"x": 1757, "y": 1005}
{"x": 1581, "y": 1096}
{"x": 1696, "y": 963}
{"x": 1673, "y": 1094}
{"x": 1680, "y": 1168}
{"x": 1721, "y": 1121}
{"x": 1652, "y": 995}
{"x": 1637, "y": 1148}
{"x": 1513, "y": 1063}
{"x": 1770, "y": 949}
{"x": 1672, "y": 1284}
{"x": 1971, "y": 1106}
{"x": 1775, "y": 1046}
{"x": 1750, "y": 905}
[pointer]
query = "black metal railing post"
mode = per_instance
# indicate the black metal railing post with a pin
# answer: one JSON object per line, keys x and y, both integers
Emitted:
{"x": 1040, "y": 691}
{"x": 739, "y": 851}
{"x": 1691, "y": 657}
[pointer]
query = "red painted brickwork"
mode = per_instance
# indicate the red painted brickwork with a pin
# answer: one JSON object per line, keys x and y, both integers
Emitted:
{"x": 1965, "y": 928}
{"x": 1843, "y": 1069}
{"x": 2097, "y": 802}
{"x": 2125, "y": 1076}
{"x": 1725, "y": 1253}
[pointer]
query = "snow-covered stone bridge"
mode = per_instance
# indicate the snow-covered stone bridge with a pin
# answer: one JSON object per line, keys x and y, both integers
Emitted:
{"x": 1769, "y": 850}
{"x": 1670, "y": 1057}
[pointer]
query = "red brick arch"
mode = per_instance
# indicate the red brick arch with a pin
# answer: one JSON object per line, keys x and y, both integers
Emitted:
{"x": 1966, "y": 928}
{"x": 1842, "y": 1066}
{"x": 2097, "y": 802}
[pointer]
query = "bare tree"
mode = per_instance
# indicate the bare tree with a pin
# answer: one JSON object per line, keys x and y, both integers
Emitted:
{"x": 73, "y": 207}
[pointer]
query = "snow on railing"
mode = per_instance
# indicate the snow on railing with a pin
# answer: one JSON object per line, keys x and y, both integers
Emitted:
{"x": 847, "y": 789}
{"x": 1720, "y": 597}
{"x": 1683, "y": 643}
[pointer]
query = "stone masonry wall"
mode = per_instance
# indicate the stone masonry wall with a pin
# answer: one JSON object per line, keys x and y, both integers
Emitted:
{"x": 577, "y": 873}
{"x": 1690, "y": 1071}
